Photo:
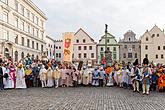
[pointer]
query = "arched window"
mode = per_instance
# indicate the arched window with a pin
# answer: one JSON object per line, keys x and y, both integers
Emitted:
{"x": 22, "y": 55}
{"x": 16, "y": 55}
{"x": 7, "y": 53}
{"x": 37, "y": 57}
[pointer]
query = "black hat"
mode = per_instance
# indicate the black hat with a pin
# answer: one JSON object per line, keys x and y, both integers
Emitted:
{"x": 145, "y": 61}
{"x": 136, "y": 62}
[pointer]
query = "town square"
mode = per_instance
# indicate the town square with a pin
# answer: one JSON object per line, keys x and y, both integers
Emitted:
{"x": 82, "y": 55}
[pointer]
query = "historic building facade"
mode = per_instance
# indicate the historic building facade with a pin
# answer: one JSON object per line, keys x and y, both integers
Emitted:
{"x": 59, "y": 50}
{"x": 112, "y": 46}
{"x": 153, "y": 45}
{"x": 84, "y": 48}
{"x": 129, "y": 48}
{"x": 22, "y": 29}
{"x": 50, "y": 47}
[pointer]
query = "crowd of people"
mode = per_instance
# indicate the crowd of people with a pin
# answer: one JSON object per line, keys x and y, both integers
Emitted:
{"x": 50, "y": 74}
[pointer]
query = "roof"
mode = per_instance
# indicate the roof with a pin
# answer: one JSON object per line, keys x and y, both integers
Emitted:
{"x": 86, "y": 34}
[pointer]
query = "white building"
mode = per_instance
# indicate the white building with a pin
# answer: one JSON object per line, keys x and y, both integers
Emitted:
{"x": 59, "y": 50}
{"x": 22, "y": 29}
{"x": 153, "y": 45}
{"x": 84, "y": 48}
{"x": 50, "y": 47}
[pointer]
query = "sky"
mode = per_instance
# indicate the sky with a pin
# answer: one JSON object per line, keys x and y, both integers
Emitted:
{"x": 92, "y": 15}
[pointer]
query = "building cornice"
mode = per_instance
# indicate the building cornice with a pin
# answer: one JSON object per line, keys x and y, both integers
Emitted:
{"x": 20, "y": 31}
{"x": 108, "y": 45}
{"x": 32, "y": 5}
{"x": 50, "y": 38}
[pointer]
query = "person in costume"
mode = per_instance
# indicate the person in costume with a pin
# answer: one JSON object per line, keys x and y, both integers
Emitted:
{"x": 85, "y": 75}
{"x": 109, "y": 73}
{"x": 102, "y": 77}
{"x": 117, "y": 75}
{"x": 11, "y": 80}
{"x": 20, "y": 77}
{"x": 135, "y": 76}
{"x": 43, "y": 76}
{"x": 28, "y": 76}
{"x": 49, "y": 77}
{"x": 95, "y": 77}
{"x": 1, "y": 77}
{"x": 75, "y": 77}
{"x": 146, "y": 71}
{"x": 56, "y": 76}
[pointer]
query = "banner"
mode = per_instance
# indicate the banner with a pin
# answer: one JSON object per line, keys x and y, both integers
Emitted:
{"x": 68, "y": 46}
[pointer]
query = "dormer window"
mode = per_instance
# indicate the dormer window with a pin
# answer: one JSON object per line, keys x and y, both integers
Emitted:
{"x": 153, "y": 35}
{"x": 147, "y": 39}
{"x": 157, "y": 35}
{"x": 84, "y": 41}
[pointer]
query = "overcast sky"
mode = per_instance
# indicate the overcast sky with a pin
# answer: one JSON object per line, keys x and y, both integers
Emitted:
{"x": 91, "y": 15}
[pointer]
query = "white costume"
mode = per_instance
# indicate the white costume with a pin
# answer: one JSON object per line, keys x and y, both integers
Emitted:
{"x": 20, "y": 78}
{"x": 42, "y": 75}
{"x": 49, "y": 77}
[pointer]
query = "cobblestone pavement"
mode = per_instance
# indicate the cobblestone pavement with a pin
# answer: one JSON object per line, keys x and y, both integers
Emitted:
{"x": 81, "y": 98}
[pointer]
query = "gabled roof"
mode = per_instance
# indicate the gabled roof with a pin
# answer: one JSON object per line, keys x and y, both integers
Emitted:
{"x": 86, "y": 34}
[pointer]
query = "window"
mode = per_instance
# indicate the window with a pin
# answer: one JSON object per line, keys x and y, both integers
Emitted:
{"x": 156, "y": 56}
{"x": 84, "y": 40}
{"x": 22, "y": 55}
{"x": 162, "y": 56}
{"x": 108, "y": 48}
{"x": 146, "y": 47}
{"x": 146, "y": 55}
{"x": 163, "y": 47}
{"x": 28, "y": 43}
{"x": 153, "y": 35}
{"x": 59, "y": 55}
{"x": 22, "y": 41}
{"x": 146, "y": 38}
{"x": 16, "y": 39}
{"x": 5, "y": 35}
{"x": 79, "y": 47}
{"x": 77, "y": 41}
{"x": 102, "y": 49}
{"x": 157, "y": 35}
{"x": 22, "y": 25}
{"x": 114, "y": 48}
{"x": 158, "y": 47}
{"x": 85, "y": 55}
{"x": 114, "y": 56}
{"x": 16, "y": 22}
{"x": 135, "y": 55}
{"x": 33, "y": 32}
{"x": 5, "y": 1}
{"x": 28, "y": 13}
{"x": 42, "y": 48}
{"x": 129, "y": 39}
{"x": 32, "y": 17}
{"x": 42, "y": 24}
{"x": 72, "y": 55}
{"x": 32, "y": 44}
{"x": 133, "y": 46}
{"x": 107, "y": 40}
{"x": 5, "y": 16}
{"x": 59, "y": 47}
{"x": 92, "y": 55}
{"x": 37, "y": 46}
{"x": 124, "y": 55}
{"x": 28, "y": 28}
{"x": 85, "y": 47}
{"x": 56, "y": 47}
{"x": 36, "y": 20}
{"x": 79, "y": 55}
{"x": 22, "y": 10}
{"x": 37, "y": 33}
{"x": 125, "y": 46}
{"x": 129, "y": 55}
{"x": 42, "y": 35}
{"x": 90, "y": 47}
{"x": 16, "y": 5}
